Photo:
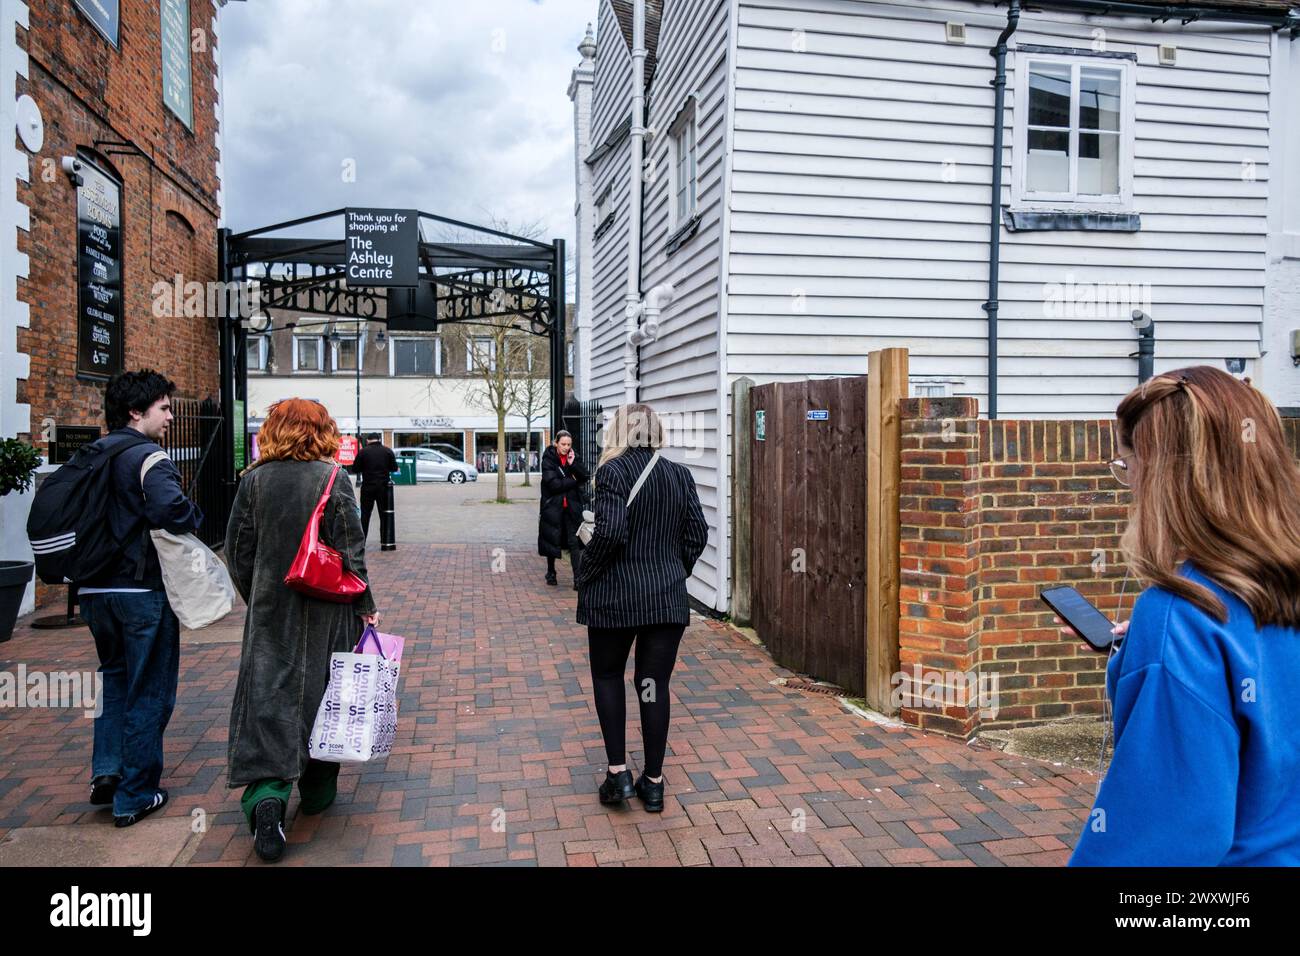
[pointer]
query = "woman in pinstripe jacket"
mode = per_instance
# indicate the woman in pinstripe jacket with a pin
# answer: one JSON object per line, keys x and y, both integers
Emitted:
{"x": 632, "y": 590}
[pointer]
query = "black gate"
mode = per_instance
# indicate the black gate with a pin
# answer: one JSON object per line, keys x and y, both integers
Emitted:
{"x": 193, "y": 442}
{"x": 584, "y": 421}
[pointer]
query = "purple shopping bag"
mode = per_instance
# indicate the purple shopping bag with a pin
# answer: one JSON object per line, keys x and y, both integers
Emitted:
{"x": 387, "y": 646}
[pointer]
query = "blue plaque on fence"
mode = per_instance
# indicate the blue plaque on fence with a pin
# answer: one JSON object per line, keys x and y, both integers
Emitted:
{"x": 818, "y": 414}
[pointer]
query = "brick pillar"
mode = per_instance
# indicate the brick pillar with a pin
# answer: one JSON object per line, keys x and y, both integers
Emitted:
{"x": 939, "y": 560}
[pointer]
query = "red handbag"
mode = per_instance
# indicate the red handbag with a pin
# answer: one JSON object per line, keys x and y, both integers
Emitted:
{"x": 317, "y": 570}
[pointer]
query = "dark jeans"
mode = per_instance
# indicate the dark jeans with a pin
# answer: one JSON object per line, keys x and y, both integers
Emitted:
{"x": 656, "y": 653}
{"x": 372, "y": 496}
{"x": 137, "y": 637}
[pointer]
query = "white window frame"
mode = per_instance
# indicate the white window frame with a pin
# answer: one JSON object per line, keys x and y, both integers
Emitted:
{"x": 492, "y": 352}
{"x": 262, "y": 349}
{"x": 1072, "y": 201}
{"x": 684, "y": 128}
{"x": 320, "y": 352}
{"x": 392, "y": 353}
{"x": 334, "y": 352}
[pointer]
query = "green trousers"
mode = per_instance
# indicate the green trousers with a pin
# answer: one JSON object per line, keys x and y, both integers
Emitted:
{"x": 318, "y": 786}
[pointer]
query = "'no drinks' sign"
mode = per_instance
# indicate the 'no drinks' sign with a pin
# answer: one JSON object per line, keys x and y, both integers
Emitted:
{"x": 382, "y": 247}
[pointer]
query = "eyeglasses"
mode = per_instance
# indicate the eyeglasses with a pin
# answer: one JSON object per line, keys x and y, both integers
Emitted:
{"x": 1119, "y": 468}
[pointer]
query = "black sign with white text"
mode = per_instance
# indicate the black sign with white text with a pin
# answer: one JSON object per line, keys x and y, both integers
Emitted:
{"x": 99, "y": 274}
{"x": 68, "y": 438}
{"x": 382, "y": 247}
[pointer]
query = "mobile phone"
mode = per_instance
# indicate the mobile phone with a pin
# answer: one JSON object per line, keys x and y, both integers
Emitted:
{"x": 1080, "y": 616}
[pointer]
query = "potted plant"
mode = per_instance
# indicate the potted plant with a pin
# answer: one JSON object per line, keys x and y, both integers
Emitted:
{"x": 18, "y": 461}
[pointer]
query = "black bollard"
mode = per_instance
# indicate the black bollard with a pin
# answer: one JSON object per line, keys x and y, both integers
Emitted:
{"x": 387, "y": 523}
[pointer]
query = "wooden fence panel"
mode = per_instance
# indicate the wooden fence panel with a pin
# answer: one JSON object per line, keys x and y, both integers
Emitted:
{"x": 808, "y": 524}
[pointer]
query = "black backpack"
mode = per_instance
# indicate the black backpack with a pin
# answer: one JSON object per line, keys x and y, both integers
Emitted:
{"x": 68, "y": 524}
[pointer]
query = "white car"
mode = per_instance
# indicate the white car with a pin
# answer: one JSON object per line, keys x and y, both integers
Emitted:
{"x": 433, "y": 465}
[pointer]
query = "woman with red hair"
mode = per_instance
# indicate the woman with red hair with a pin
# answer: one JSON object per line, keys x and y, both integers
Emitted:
{"x": 288, "y": 636}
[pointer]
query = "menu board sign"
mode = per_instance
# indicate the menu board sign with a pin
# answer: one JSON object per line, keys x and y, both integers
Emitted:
{"x": 177, "y": 90}
{"x": 99, "y": 274}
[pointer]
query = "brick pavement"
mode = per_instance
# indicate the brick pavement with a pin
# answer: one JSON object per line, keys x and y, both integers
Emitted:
{"x": 499, "y": 752}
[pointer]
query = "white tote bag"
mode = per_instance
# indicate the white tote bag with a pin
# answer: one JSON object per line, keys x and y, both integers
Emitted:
{"x": 588, "y": 526}
{"x": 198, "y": 585}
{"x": 357, "y": 718}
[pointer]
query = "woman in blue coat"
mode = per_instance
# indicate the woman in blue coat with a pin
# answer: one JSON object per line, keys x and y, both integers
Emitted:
{"x": 1206, "y": 768}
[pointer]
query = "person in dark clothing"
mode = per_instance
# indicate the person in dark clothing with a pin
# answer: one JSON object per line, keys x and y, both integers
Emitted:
{"x": 289, "y": 636}
{"x": 650, "y": 530}
{"x": 137, "y": 635}
{"x": 375, "y": 463}
{"x": 564, "y": 481}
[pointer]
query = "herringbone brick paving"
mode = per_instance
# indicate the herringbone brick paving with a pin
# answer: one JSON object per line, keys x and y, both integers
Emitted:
{"x": 499, "y": 752}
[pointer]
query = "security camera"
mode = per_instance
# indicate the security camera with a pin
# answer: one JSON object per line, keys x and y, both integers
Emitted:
{"x": 73, "y": 167}
{"x": 1235, "y": 365}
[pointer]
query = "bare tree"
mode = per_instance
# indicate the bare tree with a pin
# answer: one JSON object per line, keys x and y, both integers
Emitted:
{"x": 498, "y": 346}
{"x": 533, "y": 396}
{"x": 495, "y": 365}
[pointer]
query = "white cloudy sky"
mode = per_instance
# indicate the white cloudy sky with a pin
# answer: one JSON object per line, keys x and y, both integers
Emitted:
{"x": 455, "y": 107}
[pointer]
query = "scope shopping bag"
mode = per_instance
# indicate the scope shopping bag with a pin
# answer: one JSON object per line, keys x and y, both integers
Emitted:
{"x": 357, "y": 718}
{"x": 197, "y": 583}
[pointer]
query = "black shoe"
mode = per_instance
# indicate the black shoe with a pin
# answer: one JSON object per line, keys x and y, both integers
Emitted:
{"x": 159, "y": 801}
{"x": 102, "y": 789}
{"x": 268, "y": 825}
{"x": 551, "y": 578}
{"x": 651, "y": 794}
{"x": 617, "y": 787}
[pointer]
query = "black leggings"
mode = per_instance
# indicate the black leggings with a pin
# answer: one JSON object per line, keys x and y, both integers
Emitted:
{"x": 656, "y": 653}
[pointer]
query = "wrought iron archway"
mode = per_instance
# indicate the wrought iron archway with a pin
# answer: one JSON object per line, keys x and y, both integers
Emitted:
{"x": 459, "y": 283}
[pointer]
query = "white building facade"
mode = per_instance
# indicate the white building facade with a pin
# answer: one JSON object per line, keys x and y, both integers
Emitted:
{"x": 816, "y": 183}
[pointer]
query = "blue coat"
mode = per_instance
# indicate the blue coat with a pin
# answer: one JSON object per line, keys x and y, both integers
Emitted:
{"x": 1206, "y": 770}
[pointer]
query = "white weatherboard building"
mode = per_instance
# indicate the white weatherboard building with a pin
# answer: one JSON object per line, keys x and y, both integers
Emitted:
{"x": 810, "y": 180}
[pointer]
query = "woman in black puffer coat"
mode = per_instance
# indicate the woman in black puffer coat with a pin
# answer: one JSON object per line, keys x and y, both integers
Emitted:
{"x": 564, "y": 495}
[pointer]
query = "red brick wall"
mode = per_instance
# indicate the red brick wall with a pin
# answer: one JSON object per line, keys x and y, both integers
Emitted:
{"x": 87, "y": 92}
{"x": 992, "y": 512}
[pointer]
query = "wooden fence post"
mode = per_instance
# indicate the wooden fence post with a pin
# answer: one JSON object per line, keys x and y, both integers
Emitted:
{"x": 742, "y": 451}
{"x": 886, "y": 386}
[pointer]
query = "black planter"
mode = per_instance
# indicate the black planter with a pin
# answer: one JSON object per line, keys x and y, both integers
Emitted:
{"x": 14, "y": 576}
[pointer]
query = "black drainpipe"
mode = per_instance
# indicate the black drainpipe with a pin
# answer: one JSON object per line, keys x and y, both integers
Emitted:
{"x": 999, "y": 53}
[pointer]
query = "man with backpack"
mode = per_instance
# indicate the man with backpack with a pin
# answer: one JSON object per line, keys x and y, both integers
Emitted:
{"x": 90, "y": 526}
